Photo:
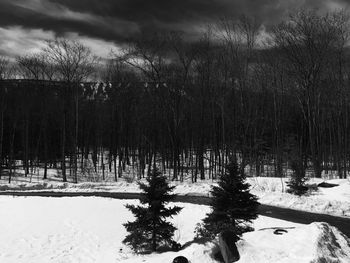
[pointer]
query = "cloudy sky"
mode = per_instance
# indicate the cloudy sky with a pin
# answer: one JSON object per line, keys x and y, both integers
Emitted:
{"x": 104, "y": 24}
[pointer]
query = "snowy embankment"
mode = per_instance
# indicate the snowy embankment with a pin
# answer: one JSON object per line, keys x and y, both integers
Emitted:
{"x": 334, "y": 201}
{"x": 270, "y": 190}
{"x": 89, "y": 229}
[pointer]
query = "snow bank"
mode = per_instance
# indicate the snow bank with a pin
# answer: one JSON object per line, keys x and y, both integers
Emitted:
{"x": 89, "y": 229}
{"x": 334, "y": 201}
{"x": 314, "y": 243}
{"x": 71, "y": 230}
{"x": 312, "y": 203}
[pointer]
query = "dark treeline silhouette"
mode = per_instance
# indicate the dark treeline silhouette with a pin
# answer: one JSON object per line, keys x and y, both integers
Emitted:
{"x": 185, "y": 106}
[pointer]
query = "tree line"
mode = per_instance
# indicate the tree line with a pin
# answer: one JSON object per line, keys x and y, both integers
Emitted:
{"x": 273, "y": 99}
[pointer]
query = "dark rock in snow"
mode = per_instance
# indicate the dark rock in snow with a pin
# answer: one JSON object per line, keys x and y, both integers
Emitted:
{"x": 180, "y": 259}
{"x": 175, "y": 246}
{"x": 218, "y": 256}
{"x": 280, "y": 231}
{"x": 228, "y": 246}
{"x": 327, "y": 185}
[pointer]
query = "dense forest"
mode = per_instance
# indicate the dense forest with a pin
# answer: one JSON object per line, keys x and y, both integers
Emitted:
{"x": 267, "y": 96}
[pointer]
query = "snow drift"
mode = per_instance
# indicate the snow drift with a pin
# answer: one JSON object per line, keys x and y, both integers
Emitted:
{"x": 313, "y": 243}
{"x": 90, "y": 230}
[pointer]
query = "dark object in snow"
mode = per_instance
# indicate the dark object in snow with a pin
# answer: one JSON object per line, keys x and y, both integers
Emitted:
{"x": 218, "y": 256}
{"x": 228, "y": 246}
{"x": 175, "y": 246}
{"x": 180, "y": 259}
{"x": 327, "y": 185}
{"x": 280, "y": 231}
{"x": 276, "y": 228}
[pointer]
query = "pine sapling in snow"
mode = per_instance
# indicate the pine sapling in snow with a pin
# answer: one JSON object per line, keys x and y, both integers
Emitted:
{"x": 298, "y": 180}
{"x": 150, "y": 228}
{"x": 233, "y": 206}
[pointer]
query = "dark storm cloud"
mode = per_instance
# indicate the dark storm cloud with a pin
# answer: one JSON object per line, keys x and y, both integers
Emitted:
{"x": 183, "y": 13}
{"x": 119, "y": 20}
{"x": 60, "y": 19}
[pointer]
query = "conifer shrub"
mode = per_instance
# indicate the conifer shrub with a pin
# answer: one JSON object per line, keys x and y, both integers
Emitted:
{"x": 233, "y": 206}
{"x": 151, "y": 228}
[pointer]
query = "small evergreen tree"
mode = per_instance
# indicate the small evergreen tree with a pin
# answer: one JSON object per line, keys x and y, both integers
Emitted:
{"x": 150, "y": 229}
{"x": 233, "y": 206}
{"x": 296, "y": 184}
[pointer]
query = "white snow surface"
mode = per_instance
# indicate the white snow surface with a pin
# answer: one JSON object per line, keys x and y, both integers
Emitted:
{"x": 89, "y": 229}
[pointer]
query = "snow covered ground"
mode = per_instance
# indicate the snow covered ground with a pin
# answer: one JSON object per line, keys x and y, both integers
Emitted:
{"x": 270, "y": 190}
{"x": 334, "y": 201}
{"x": 89, "y": 229}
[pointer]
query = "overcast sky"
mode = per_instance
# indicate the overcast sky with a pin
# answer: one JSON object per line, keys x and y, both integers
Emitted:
{"x": 103, "y": 24}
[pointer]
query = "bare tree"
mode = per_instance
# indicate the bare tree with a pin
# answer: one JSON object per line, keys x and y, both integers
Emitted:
{"x": 149, "y": 56}
{"x": 308, "y": 42}
{"x": 3, "y": 73}
{"x": 5, "y": 68}
{"x": 74, "y": 63}
{"x": 36, "y": 66}
{"x": 239, "y": 40}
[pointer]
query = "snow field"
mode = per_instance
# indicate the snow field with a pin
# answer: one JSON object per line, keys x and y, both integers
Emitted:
{"x": 78, "y": 229}
{"x": 89, "y": 229}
